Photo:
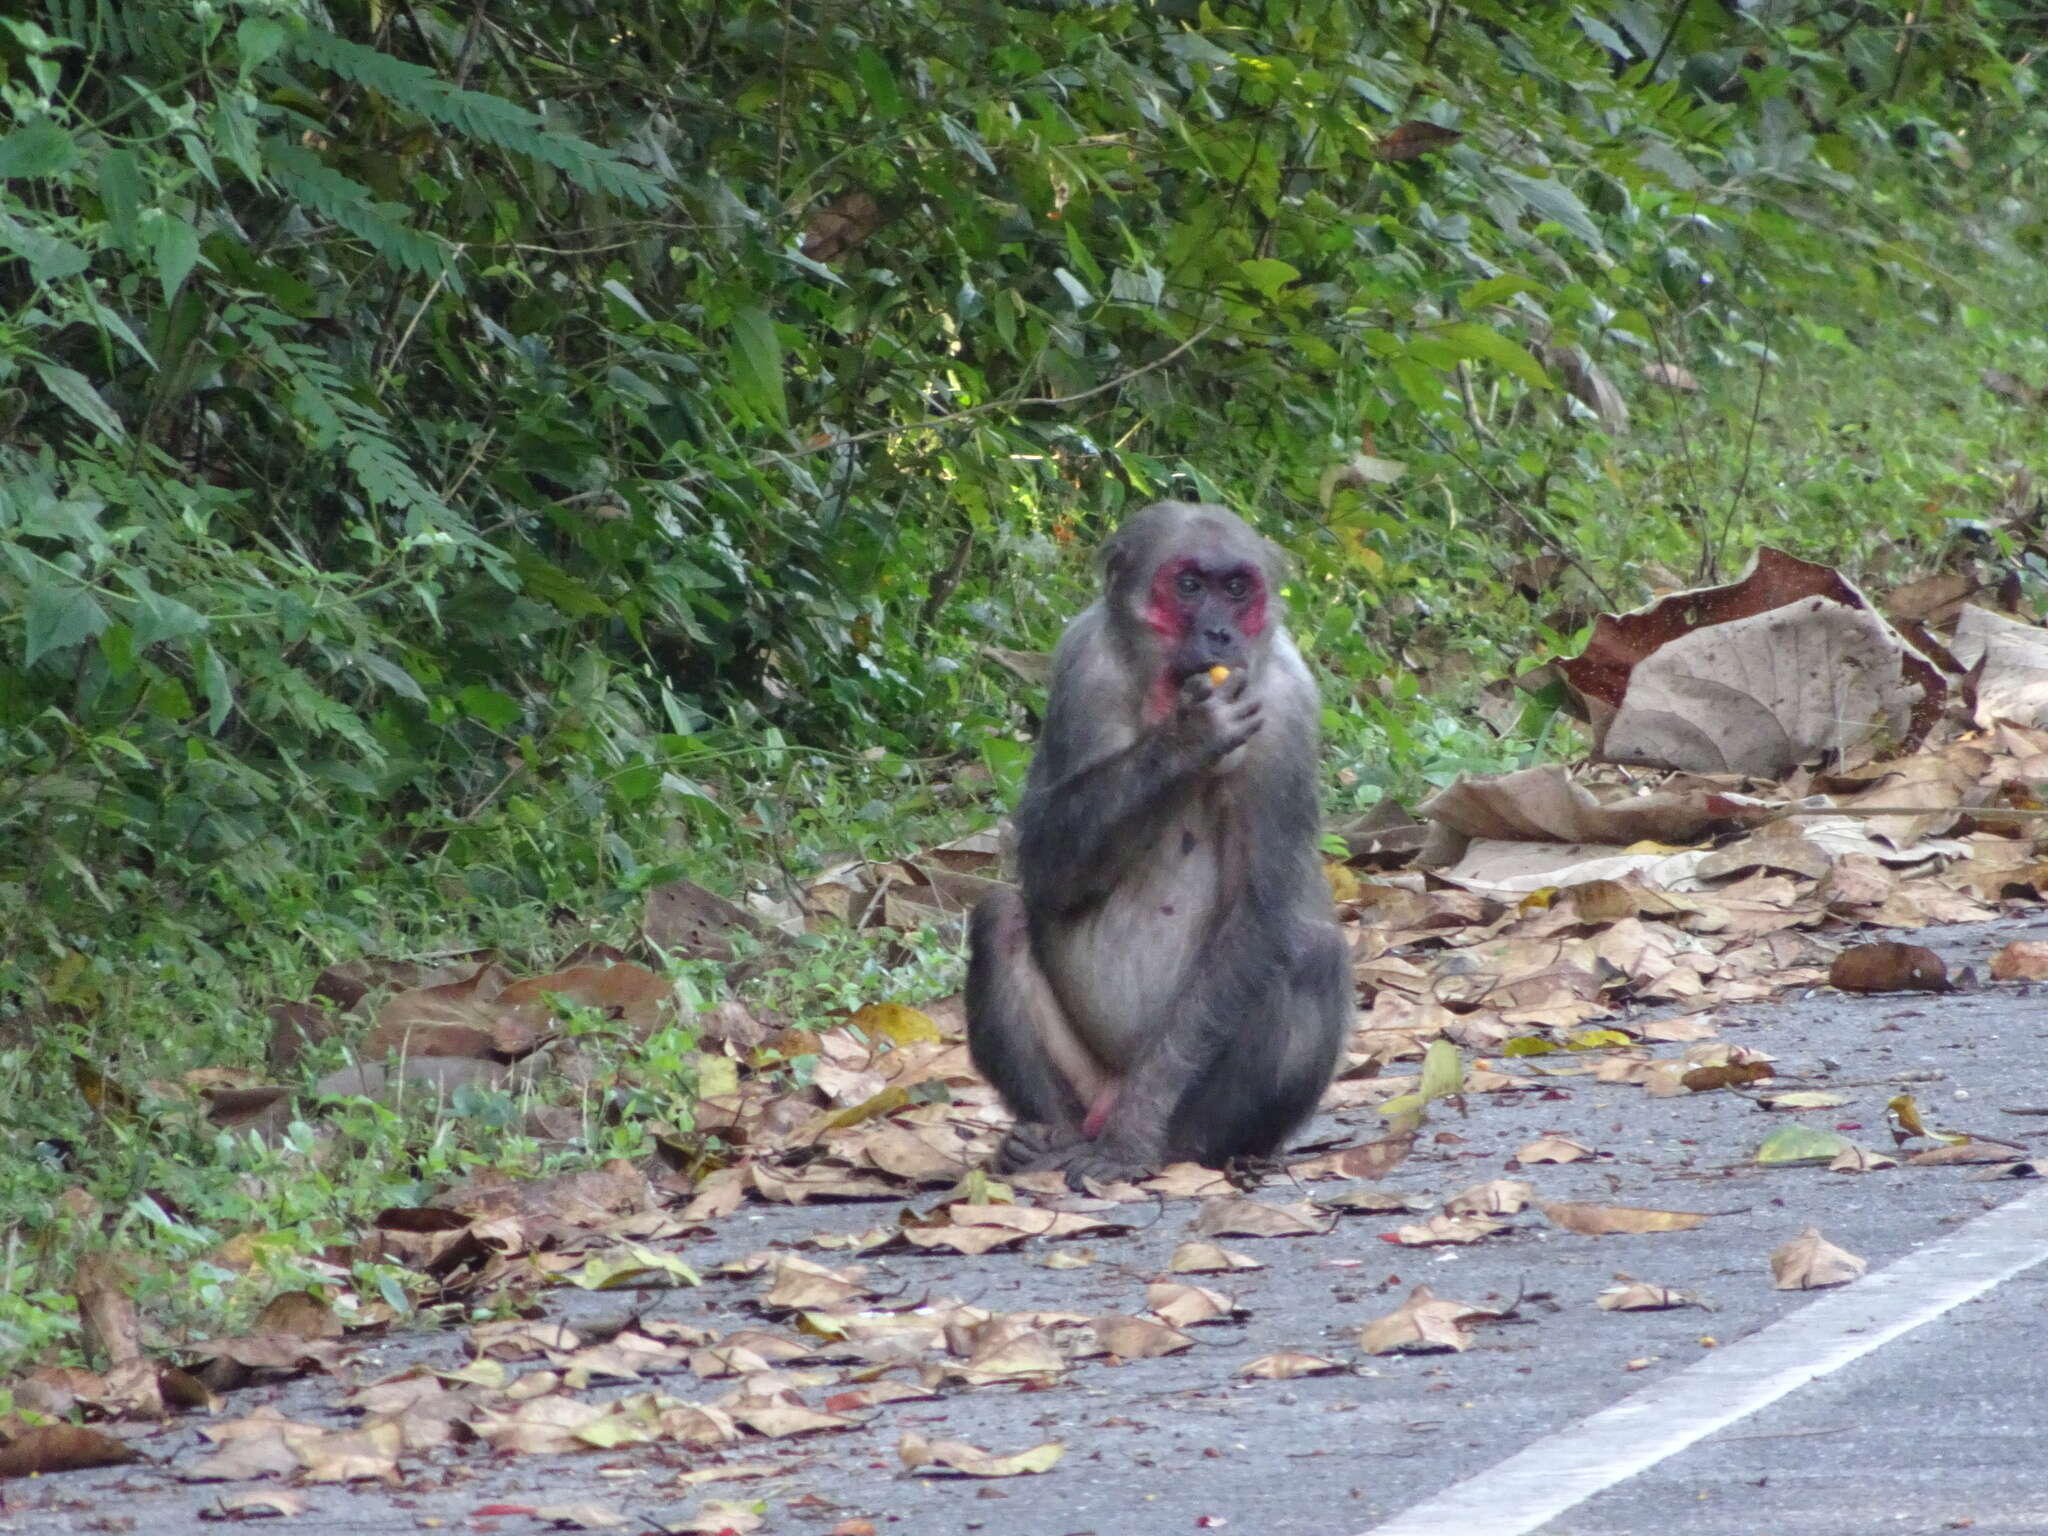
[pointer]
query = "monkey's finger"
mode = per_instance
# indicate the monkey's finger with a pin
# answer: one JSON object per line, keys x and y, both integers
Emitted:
{"x": 1238, "y": 738}
{"x": 1195, "y": 687}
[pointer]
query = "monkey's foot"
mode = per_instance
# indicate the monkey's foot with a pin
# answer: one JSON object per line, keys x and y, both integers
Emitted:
{"x": 1035, "y": 1145}
{"x": 1090, "y": 1161}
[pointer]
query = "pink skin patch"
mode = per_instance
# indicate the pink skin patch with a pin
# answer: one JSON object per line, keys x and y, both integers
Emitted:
{"x": 1167, "y": 618}
{"x": 1098, "y": 1113}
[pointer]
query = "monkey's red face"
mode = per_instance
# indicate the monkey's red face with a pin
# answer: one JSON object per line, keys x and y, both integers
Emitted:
{"x": 1206, "y": 613}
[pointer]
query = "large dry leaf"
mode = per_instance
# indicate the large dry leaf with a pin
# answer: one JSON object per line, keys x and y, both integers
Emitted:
{"x": 1604, "y": 1220}
{"x": 1496, "y": 1197}
{"x": 1186, "y": 1306}
{"x": 625, "y": 993}
{"x": 1235, "y": 1216}
{"x": 1639, "y": 1296}
{"x": 1444, "y": 1228}
{"x": 1809, "y": 1262}
{"x": 1198, "y": 1258}
{"x": 1544, "y": 805}
{"x": 921, "y": 1455}
{"x": 1287, "y": 1364}
{"x": 1422, "y": 1323}
{"x": 50, "y": 1448}
{"x": 2013, "y": 685}
{"x": 2021, "y": 960}
{"x": 1784, "y": 667}
{"x": 1138, "y": 1338}
{"x": 687, "y": 921}
{"x": 1888, "y": 967}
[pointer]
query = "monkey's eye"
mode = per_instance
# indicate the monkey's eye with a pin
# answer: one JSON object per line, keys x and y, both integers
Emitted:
{"x": 1237, "y": 586}
{"x": 1189, "y": 584}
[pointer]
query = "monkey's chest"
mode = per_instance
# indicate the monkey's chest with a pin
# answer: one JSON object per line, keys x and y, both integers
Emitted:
{"x": 1120, "y": 968}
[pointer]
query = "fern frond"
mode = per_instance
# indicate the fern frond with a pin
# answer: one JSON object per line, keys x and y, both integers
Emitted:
{"x": 320, "y": 398}
{"x": 347, "y": 202}
{"x": 478, "y": 115}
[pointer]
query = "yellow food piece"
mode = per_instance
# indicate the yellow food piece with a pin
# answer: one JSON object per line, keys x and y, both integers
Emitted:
{"x": 1217, "y": 674}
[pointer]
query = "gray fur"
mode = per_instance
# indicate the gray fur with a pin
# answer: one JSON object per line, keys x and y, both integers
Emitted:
{"x": 1172, "y": 933}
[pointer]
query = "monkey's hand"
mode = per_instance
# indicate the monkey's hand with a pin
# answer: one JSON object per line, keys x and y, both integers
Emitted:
{"x": 1211, "y": 721}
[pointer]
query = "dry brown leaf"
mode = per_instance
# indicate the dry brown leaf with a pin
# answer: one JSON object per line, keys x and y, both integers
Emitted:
{"x": 1810, "y": 1262}
{"x": 1888, "y": 967}
{"x": 839, "y": 227}
{"x": 1855, "y": 1159}
{"x": 1640, "y": 1296}
{"x": 967, "y": 1240}
{"x": 1445, "y": 1228}
{"x": 1370, "y": 1160}
{"x": 1496, "y": 1197}
{"x": 1236, "y": 1216}
{"x": 1287, "y": 1364}
{"x": 1732, "y": 1074}
{"x": 1421, "y": 1324}
{"x": 779, "y": 1421}
{"x": 687, "y": 921}
{"x": 1371, "y": 1200}
{"x": 351, "y": 1456}
{"x": 47, "y": 1448}
{"x": 2013, "y": 683}
{"x": 1186, "y": 1306}
{"x": 798, "y": 1284}
{"x": 1784, "y": 667}
{"x": 2021, "y": 960}
{"x": 259, "y": 1504}
{"x": 1545, "y": 805}
{"x": 1553, "y": 1149}
{"x": 1962, "y": 1152}
{"x": 1412, "y": 140}
{"x": 928, "y": 1456}
{"x": 1138, "y": 1338}
{"x": 1197, "y": 1258}
{"x": 1603, "y": 1220}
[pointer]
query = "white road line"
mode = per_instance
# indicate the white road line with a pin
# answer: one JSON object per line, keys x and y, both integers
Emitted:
{"x": 1536, "y": 1485}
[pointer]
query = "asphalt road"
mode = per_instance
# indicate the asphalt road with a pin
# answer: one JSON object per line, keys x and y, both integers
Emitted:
{"x": 1933, "y": 1429}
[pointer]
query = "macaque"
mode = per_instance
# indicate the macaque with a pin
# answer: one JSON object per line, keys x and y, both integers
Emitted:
{"x": 1168, "y": 981}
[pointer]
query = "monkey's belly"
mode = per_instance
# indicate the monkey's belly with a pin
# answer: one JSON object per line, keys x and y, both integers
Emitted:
{"x": 1119, "y": 969}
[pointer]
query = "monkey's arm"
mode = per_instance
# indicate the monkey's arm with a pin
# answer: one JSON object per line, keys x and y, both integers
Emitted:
{"x": 1082, "y": 831}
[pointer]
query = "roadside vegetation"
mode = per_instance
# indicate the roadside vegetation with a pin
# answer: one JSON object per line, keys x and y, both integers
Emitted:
{"x": 463, "y": 467}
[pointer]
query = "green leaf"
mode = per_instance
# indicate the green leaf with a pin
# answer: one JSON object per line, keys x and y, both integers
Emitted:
{"x": 1554, "y": 202}
{"x": 60, "y": 614}
{"x": 50, "y": 260}
{"x": 177, "y": 252}
{"x": 40, "y": 149}
{"x": 159, "y": 618}
{"x": 1268, "y": 275}
{"x": 883, "y": 92}
{"x": 120, "y": 182}
{"x": 1493, "y": 290}
{"x": 257, "y": 40}
{"x": 220, "y": 694}
{"x": 392, "y": 676}
{"x": 1471, "y": 339}
{"x": 757, "y": 361}
{"x": 1443, "y": 1071}
{"x": 1801, "y": 1144}
{"x": 72, "y": 387}
{"x": 488, "y": 705}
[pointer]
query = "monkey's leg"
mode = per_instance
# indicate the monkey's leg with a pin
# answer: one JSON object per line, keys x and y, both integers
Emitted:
{"x": 1021, "y": 1041}
{"x": 1269, "y": 1079}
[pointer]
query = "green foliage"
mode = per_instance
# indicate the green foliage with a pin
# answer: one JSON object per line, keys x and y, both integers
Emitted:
{"x": 462, "y": 418}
